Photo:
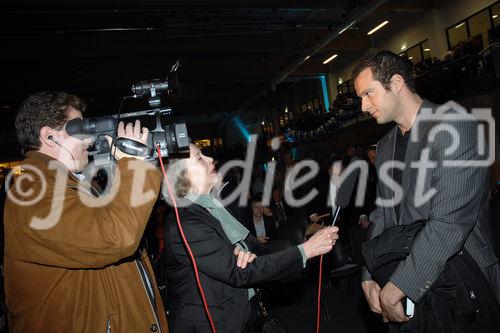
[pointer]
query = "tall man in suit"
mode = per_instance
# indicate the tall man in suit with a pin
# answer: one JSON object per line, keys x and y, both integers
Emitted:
{"x": 456, "y": 212}
{"x": 281, "y": 211}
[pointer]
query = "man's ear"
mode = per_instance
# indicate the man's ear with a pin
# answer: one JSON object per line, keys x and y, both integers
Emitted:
{"x": 397, "y": 83}
{"x": 45, "y": 133}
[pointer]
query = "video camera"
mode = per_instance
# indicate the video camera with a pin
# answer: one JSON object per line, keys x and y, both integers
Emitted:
{"x": 171, "y": 138}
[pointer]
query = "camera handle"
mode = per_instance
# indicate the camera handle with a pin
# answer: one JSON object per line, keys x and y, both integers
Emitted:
{"x": 132, "y": 147}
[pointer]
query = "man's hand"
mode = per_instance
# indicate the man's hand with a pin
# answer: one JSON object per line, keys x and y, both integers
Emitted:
{"x": 263, "y": 239}
{"x": 133, "y": 132}
{"x": 390, "y": 302}
{"x": 372, "y": 294}
{"x": 244, "y": 257}
{"x": 321, "y": 242}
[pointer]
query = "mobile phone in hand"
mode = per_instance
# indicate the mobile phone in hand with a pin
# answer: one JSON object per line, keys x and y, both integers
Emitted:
{"x": 409, "y": 307}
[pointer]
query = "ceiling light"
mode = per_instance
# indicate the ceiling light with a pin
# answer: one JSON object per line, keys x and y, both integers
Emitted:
{"x": 495, "y": 16}
{"x": 340, "y": 80}
{"x": 427, "y": 50}
{"x": 347, "y": 27}
{"x": 343, "y": 30}
{"x": 330, "y": 59}
{"x": 459, "y": 25}
{"x": 403, "y": 47}
{"x": 410, "y": 58}
{"x": 377, "y": 27}
{"x": 307, "y": 58}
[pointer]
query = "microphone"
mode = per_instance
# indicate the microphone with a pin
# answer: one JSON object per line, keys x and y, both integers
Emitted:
{"x": 344, "y": 193}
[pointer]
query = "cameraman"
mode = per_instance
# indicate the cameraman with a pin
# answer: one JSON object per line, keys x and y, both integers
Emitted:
{"x": 71, "y": 266}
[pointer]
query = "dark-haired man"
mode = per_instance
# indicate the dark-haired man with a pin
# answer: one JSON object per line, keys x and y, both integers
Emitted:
{"x": 260, "y": 225}
{"x": 456, "y": 214}
{"x": 71, "y": 260}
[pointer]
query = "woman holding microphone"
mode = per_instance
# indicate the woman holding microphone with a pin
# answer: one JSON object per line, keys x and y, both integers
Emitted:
{"x": 224, "y": 252}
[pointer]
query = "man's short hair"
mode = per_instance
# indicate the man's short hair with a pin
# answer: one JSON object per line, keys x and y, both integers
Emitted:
{"x": 47, "y": 108}
{"x": 384, "y": 64}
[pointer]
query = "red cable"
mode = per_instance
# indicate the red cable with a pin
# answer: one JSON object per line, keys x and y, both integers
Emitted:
{"x": 318, "y": 316}
{"x": 184, "y": 240}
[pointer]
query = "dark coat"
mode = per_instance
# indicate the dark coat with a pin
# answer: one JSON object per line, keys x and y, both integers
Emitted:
{"x": 225, "y": 285}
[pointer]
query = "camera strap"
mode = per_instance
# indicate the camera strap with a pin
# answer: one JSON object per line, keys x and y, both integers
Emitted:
{"x": 132, "y": 147}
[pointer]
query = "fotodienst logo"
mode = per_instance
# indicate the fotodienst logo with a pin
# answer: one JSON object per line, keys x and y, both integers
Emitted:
{"x": 465, "y": 136}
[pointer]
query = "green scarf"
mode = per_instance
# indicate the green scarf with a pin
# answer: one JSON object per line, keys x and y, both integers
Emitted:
{"x": 233, "y": 229}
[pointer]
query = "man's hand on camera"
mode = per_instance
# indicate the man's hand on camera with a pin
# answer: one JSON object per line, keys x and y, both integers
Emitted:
{"x": 132, "y": 132}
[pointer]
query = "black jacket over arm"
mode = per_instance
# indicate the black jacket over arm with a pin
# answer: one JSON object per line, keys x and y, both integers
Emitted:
{"x": 225, "y": 285}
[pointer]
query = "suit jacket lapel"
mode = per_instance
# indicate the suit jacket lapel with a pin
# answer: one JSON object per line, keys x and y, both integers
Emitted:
{"x": 389, "y": 156}
{"x": 412, "y": 148}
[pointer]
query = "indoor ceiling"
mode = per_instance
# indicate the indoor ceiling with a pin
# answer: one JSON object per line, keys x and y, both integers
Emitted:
{"x": 232, "y": 52}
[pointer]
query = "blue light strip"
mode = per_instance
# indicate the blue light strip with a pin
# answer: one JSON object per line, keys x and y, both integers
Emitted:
{"x": 325, "y": 93}
{"x": 241, "y": 126}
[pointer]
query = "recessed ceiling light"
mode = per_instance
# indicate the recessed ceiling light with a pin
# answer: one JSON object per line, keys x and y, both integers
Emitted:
{"x": 377, "y": 27}
{"x": 330, "y": 59}
{"x": 459, "y": 25}
{"x": 410, "y": 58}
{"x": 495, "y": 16}
{"x": 403, "y": 47}
{"x": 427, "y": 50}
{"x": 307, "y": 58}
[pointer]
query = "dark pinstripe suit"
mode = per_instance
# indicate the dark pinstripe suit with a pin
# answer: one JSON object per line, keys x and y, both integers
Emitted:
{"x": 457, "y": 213}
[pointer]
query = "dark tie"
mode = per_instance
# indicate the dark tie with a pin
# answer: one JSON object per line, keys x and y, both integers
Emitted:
{"x": 281, "y": 211}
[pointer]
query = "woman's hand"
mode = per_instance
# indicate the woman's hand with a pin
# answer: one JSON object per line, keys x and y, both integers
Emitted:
{"x": 321, "y": 242}
{"x": 263, "y": 239}
{"x": 244, "y": 257}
